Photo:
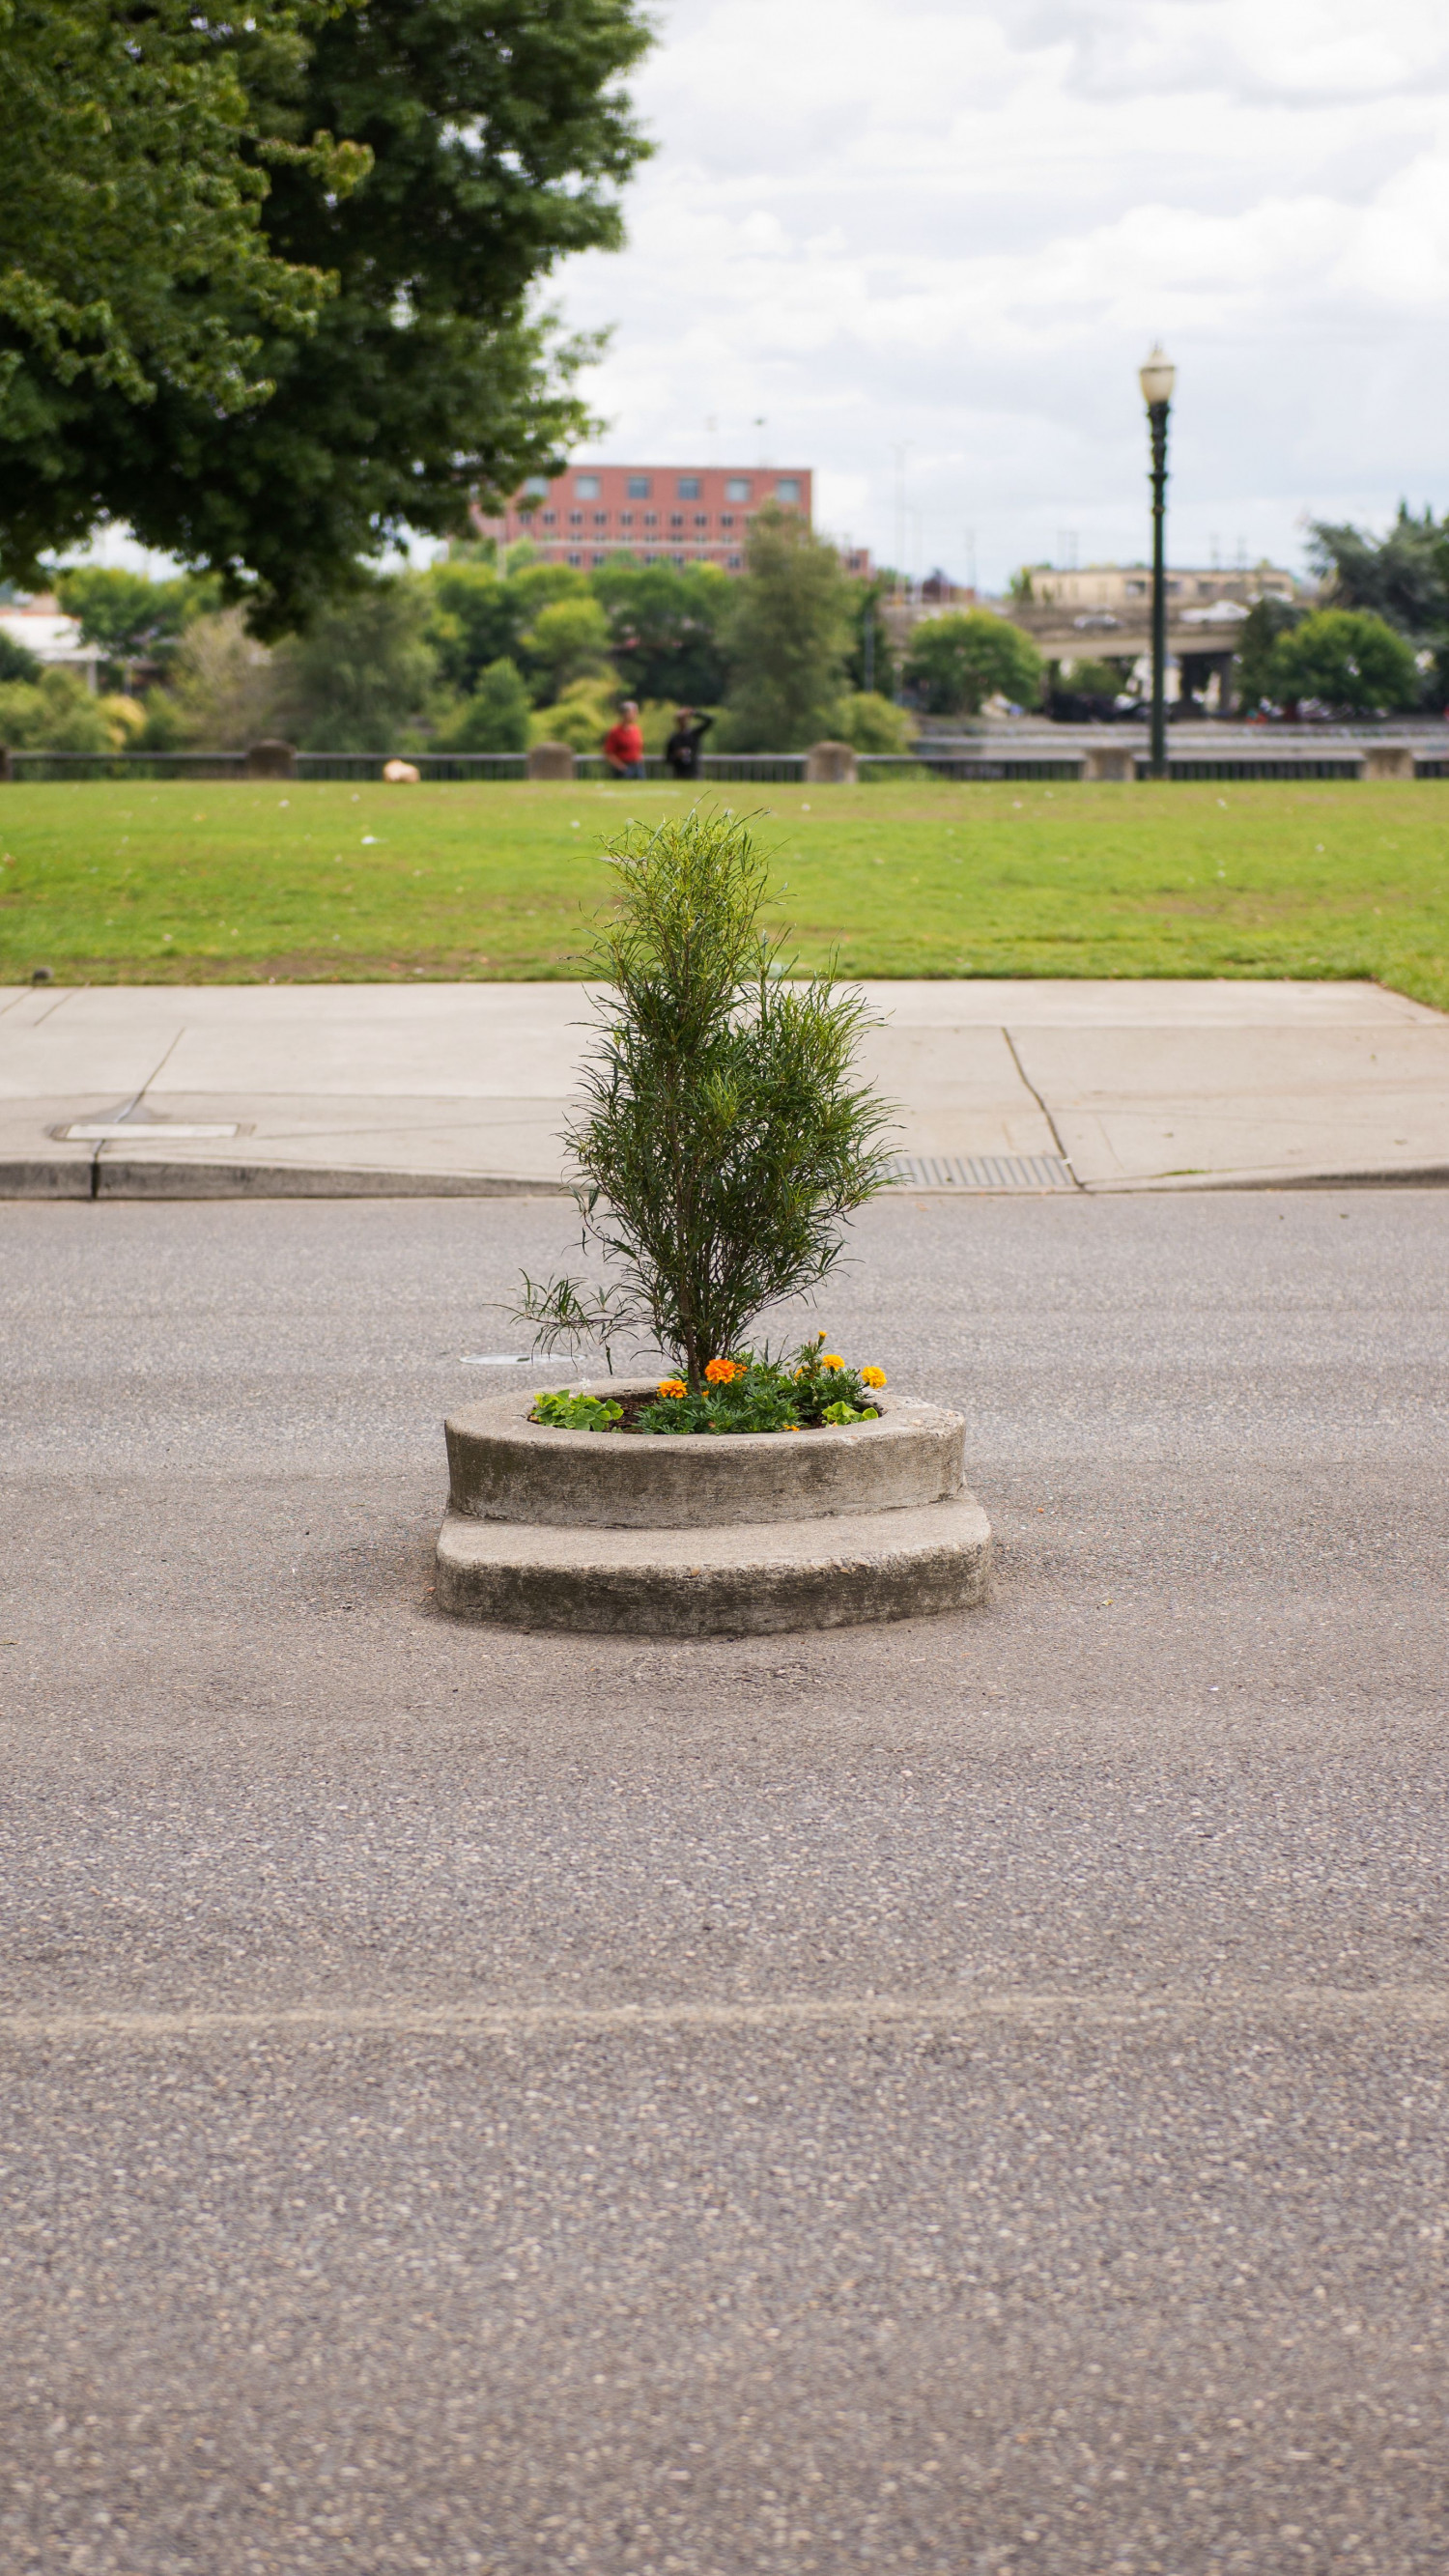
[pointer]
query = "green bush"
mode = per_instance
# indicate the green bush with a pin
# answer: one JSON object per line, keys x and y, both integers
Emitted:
{"x": 1346, "y": 659}
{"x": 724, "y": 1139}
{"x": 55, "y": 713}
{"x": 581, "y": 716}
{"x": 871, "y": 723}
{"x": 957, "y": 662}
{"x": 495, "y": 718}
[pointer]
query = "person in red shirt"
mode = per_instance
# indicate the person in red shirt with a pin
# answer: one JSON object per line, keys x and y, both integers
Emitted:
{"x": 623, "y": 744}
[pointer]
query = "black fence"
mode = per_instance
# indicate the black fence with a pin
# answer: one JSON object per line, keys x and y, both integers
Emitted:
{"x": 746, "y": 769}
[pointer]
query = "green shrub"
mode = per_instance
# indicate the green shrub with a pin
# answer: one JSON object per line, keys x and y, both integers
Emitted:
{"x": 871, "y": 723}
{"x": 581, "y": 716}
{"x": 57, "y": 713}
{"x": 495, "y": 718}
{"x": 724, "y": 1139}
{"x": 565, "y": 1412}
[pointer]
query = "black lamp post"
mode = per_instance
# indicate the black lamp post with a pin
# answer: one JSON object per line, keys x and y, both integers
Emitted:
{"x": 1157, "y": 379}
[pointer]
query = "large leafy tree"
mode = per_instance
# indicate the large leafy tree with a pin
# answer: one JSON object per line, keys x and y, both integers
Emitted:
{"x": 495, "y": 141}
{"x": 666, "y": 623}
{"x": 956, "y": 662}
{"x": 787, "y": 638}
{"x": 1402, "y": 577}
{"x": 1347, "y": 660}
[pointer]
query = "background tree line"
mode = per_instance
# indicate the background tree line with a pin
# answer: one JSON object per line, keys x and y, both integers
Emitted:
{"x": 470, "y": 655}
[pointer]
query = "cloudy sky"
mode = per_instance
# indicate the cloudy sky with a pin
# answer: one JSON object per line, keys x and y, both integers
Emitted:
{"x": 929, "y": 245}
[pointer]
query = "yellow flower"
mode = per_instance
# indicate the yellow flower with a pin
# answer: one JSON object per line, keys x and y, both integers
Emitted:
{"x": 672, "y": 1386}
{"x": 831, "y": 1359}
{"x": 872, "y": 1377}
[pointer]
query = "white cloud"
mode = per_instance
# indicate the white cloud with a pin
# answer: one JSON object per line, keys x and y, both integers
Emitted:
{"x": 891, "y": 223}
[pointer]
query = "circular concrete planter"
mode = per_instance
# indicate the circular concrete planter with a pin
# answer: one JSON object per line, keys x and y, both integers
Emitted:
{"x": 709, "y": 1535}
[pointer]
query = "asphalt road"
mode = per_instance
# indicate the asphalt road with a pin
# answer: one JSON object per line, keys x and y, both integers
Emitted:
{"x": 964, "y": 2097}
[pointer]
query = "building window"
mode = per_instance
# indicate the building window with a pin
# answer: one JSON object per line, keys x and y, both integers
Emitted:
{"x": 678, "y": 559}
{"x": 726, "y": 518}
{"x": 735, "y": 562}
{"x": 536, "y": 486}
{"x": 601, "y": 518}
{"x": 787, "y": 488}
{"x": 527, "y": 517}
{"x": 651, "y": 518}
{"x": 701, "y": 518}
{"x": 639, "y": 487}
{"x": 599, "y": 559}
{"x": 676, "y": 518}
{"x": 688, "y": 487}
{"x": 550, "y": 518}
{"x": 586, "y": 486}
{"x": 577, "y": 559}
{"x": 576, "y": 518}
{"x": 626, "y": 518}
{"x": 737, "y": 488}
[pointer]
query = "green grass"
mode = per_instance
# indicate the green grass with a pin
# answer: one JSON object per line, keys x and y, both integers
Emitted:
{"x": 244, "y": 882}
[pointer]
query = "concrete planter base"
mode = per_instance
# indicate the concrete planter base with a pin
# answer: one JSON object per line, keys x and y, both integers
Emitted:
{"x": 739, "y": 1535}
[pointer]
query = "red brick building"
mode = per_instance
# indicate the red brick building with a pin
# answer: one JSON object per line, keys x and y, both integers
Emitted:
{"x": 661, "y": 513}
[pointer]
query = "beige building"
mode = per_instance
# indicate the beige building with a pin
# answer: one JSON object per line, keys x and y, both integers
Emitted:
{"x": 1129, "y": 586}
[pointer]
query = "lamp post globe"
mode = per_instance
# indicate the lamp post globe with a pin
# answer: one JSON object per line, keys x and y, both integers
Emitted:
{"x": 1157, "y": 378}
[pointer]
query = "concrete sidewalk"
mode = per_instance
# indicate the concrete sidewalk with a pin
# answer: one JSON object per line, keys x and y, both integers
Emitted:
{"x": 373, "y": 1089}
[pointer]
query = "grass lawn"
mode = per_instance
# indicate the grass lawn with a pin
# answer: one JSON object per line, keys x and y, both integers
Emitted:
{"x": 135, "y": 883}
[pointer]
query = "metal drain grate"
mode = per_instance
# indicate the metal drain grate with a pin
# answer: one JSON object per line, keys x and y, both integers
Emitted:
{"x": 981, "y": 1172}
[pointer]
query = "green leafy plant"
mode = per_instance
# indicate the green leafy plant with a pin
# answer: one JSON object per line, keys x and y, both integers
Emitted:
{"x": 724, "y": 1138}
{"x": 565, "y": 1412}
{"x": 746, "y": 1393}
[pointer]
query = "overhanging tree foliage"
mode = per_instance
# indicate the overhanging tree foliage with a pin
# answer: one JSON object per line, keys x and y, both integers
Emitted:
{"x": 498, "y": 143}
{"x": 132, "y": 251}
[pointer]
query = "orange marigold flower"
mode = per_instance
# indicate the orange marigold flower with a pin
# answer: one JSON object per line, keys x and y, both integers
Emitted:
{"x": 831, "y": 1359}
{"x": 720, "y": 1372}
{"x": 672, "y": 1386}
{"x": 872, "y": 1377}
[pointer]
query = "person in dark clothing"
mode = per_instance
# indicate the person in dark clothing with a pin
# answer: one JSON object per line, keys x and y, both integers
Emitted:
{"x": 682, "y": 749}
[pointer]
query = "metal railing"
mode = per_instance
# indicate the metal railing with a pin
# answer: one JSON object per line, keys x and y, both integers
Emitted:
{"x": 1337, "y": 758}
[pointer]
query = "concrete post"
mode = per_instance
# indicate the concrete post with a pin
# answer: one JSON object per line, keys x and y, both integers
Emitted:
{"x": 271, "y": 760}
{"x": 1114, "y": 761}
{"x": 550, "y": 760}
{"x": 1388, "y": 760}
{"x": 831, "y": 764}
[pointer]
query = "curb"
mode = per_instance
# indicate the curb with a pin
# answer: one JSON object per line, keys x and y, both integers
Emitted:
{"x": 94, "y": 1178}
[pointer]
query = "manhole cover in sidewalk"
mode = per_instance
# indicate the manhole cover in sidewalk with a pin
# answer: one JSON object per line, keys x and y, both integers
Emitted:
{"x": 981, "y": 1172}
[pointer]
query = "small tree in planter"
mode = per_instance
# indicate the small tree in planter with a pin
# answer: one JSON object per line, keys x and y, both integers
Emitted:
{"x": 723, "y": 1139}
